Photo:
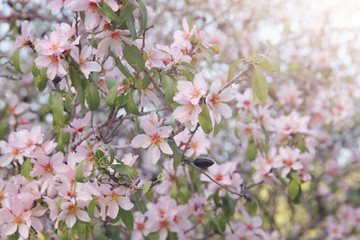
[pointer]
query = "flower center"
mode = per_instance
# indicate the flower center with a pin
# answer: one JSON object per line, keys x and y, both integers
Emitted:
{"x": 18, "y": 219}
{"x": 72, "y": 209}
{"x": 115, "y": 36}
{"x": 48, "y": 168}
{"x": 140, "y": 226}
{"x": 215, "y": 100}
{"x": 218, "y": 177}
{"x": 156, "y": 139}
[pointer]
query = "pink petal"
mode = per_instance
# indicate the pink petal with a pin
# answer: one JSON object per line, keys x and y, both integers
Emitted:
{"x": 83, "y": 216}
{"x": 70, "y": 220}
{"x": 165, "y": 148}
{"x": 141, "y": 140}
{"x": 153, "y": 154}
{"x": 125, "y": 203}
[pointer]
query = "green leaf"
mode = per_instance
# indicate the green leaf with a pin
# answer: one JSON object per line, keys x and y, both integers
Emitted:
{"x": 92, "y": 97}
{"x": 294, "y": 189}
{"x": 260, "y": 85}
{"x": 264, "y": 64}
{"x": 26, "y": 168}
{"x": 204, "y": 119}
{"x": 109, "y": 81}
{"x": 41, "y": 80}
{"x": 139, "y": 202}
{"x": 149, "y": 195}
{"x": 63, "y": 139}
{"x": 168, "y": 85}
{"x": 128, "y": 218}
{"x": 110, "y": 97}
{"x": 56, "y": 105}
{"x": 79, "y": 172}
{"x": 145, "y": 82}
{"x": 91, "y": 208}
{"x": 251, "y": 152}
{"x": 108, "y": 12}
{"x": 274, "y": 64}
{"x": 177, "y": 155}
{"x": 130, "y": 23}
{"x": 126, "y": 12}
{"x": 143, "y": 15}
{"x": 16, "y": 60}
{"x": 251, "y": 208}
{"x": 112, "y": 153}
{"x": 75, "y": 78}
{"x": 134, "y": 57}
{"x": 232, "y": 70}
{"x": 146, "y": 187}
{"x": 124, "y": 169}
{"x": 3, "y": 127}
{"x": 131, "y": 107}
{"x": 217, "y": 128}
{"x": 120, "y": 101}
{"x": 122, "y": 68}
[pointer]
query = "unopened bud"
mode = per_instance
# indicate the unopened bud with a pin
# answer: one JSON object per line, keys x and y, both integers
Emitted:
{"x": 203, "y": 162}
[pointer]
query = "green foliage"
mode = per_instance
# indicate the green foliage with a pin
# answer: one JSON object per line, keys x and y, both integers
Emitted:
{"x": 204, "y": 119}
{"x": 26, "y": 168}
{"x": 124, "y": 170}
{"x": 128, "y": 218}
{"x": 16, "y": 60}
{"x": 134, "y": 57}
{"x": 92, "y": 97}
{"x": 260, "y": 86}
{"x": 56, "y": 105}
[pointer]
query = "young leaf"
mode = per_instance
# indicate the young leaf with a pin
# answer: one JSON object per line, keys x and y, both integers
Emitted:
{"x": 143, "y": 15}
{"x": 122, "y": 68}
{"x": 205, "y": 120}
{"x": 134, "y": 57}
{"x": 131, "y": 107}
{"x": 4, "y": 124}
{"x": 92, "y": 97}
{"x": 251, "y": 151}
{"x": 176, "y": 155}
{"x": 109, "y": 13}
{"x": 169, "y": 87}
{"x": 56, "y": 105}
{"x": 41, "y": 80}
{"x": 260, "y": 85}
{"x": 126, "y": 12}
{"x": 124, "y": 169}
{"x": 130, "y": 23}
{"x": 232, "y": 70}
{"x": 149, "y": 195}
{"x": 26, "y": 169}
{"x": 251, "y": 208}
{"x": 79, "y": 172}
{"x": 110, "y": 98}
{"x": 16, "y": 60}
{"x": 128, "y": 218}
{"x": 146, "y": 187}
{"x": 120, "y": 101}
{"x": 294, "y": 189}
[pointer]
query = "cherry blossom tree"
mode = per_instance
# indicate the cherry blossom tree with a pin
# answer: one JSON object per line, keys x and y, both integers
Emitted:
{"x": 136, "y": 119}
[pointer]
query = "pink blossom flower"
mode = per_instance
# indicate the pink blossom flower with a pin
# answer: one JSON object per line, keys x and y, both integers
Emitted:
{"x": 43, "y": 165}
{"x": 78, "y": 124}
{"x": 291, "y": 160}
{"x": 141, "y": 227}
{"x": 71, "y": 211}
{"x": 292, "y": 123}
{"x": 199, "y": 144}
{"x": 188, "y": 113}
{"x": 155, "y": 138}
{"x": 116, "y": 198}
{"x": 162, "y": 216}
{"x": 17, "y": 218}
{"x": 85, "y": 66}
{"x": 23, "y": 39}
{"x": 129, "y": 159}
{"x": 217, "y": 101}
{"x": 56, "y": 5}
{"x": 113, "y": 40}
{"x": 224, "y": 174}
{"x": 53, "y": 63}
{"x": 192, "y": 92}
{"x": 182, "y": 38}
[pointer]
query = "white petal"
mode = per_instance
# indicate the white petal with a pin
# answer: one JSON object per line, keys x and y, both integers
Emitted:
{"x": 83, "y": 216}
{"x": 165, "y": 148}
{"x": 141, "y": 140}
{"x": 70, "y": 220}
{"x": 153, "y": 154}
{"x": 125, "y": 203}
